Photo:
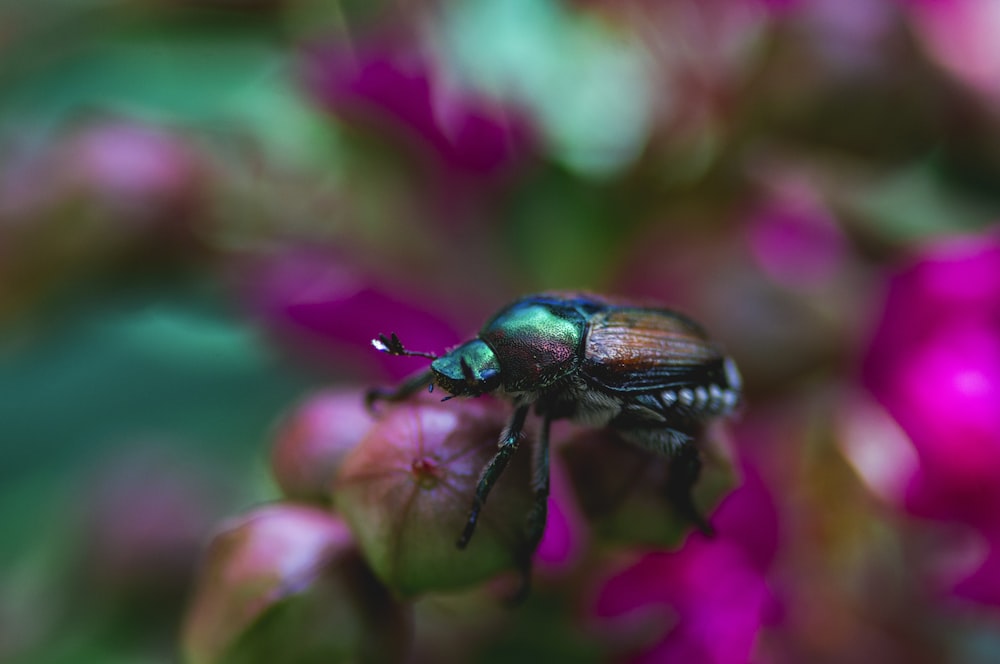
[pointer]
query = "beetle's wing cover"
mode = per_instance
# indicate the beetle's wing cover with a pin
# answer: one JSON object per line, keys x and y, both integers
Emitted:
{"x": 635, "y": 349}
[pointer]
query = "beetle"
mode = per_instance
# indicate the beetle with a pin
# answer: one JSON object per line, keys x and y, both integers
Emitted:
{"x": 649, "y": 373}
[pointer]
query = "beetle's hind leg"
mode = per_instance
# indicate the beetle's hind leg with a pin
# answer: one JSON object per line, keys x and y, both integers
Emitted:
{"x": 401, "y": 392}
{"x": 682, "y": 474}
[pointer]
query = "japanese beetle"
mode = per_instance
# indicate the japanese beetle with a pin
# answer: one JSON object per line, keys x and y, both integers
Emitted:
{"x": 649, "y": 373}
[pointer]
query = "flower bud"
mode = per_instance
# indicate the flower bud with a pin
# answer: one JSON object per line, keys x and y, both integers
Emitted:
{"x": 285, "y": 583}
{"x": 622, "y": 489}
{"x": 313, "y": 440}
{"x": 407, "y": 488}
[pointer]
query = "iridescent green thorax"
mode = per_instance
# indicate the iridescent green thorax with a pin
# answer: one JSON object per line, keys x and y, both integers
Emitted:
{"x": 537, "y": 343}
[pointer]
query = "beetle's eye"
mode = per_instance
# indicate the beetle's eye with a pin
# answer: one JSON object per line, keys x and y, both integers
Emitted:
{"x": 488, "y": 375}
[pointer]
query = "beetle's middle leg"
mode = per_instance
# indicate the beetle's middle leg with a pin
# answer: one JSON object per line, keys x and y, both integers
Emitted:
{"x": 492, "y": 471}
{"x": 538, "y": 515}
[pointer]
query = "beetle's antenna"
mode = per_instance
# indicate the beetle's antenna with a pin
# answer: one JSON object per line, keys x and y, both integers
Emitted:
{"x": 394, "y": 346}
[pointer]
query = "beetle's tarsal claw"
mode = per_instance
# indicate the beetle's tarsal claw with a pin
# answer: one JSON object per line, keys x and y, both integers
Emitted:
{"x": 523, "y": 587}
{"x": 463, "y": 539}
{"x": 470, "y": 527}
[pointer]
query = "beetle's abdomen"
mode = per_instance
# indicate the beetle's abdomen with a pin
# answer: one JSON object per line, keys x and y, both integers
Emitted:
{"x": 718, "y": 395}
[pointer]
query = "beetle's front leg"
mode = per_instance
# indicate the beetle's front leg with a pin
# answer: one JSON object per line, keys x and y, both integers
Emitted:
{"x": 506, "y": 447}
{"x": 540, "y": 484}
{"x": 403, "y": 391}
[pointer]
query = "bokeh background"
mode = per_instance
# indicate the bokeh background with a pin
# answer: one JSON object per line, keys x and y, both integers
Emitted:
{"x": 209, "y": 207}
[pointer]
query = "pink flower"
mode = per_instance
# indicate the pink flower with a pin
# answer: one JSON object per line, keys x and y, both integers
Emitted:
{"x": 286, "y": 583}
{"x": 117, "y": 179}
{"x": 395, "y": 88}
{"x": 961, "y": 36}
{"x": 146, "y": 515}
{"x": 313, "y": 440}
{"x": 328, "y": 311}
{"x": 947, "y": 397}
{"x": 981, "y": 583}
{"x": 934, "y": 363}
{"x": 708, "y": 601}
{"x": 565, "y": 531}
{"x": 122, "y": 160}
{"x": 796, "y": 242}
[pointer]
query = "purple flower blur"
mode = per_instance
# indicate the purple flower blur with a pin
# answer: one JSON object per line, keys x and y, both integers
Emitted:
{"x": 280, "y": 560}
{"x": 934, "y": 364}
{"x": 146, "y": 515}
{"x": 565, "y": 537}
{"x": 313, "y": 439}
{"x": 328, "y": 311}
{"x": 395, "y": 88}
{"x": 796, "y": 242}
{"x": 714, "y": 591}
{"x": 960, "y": 35}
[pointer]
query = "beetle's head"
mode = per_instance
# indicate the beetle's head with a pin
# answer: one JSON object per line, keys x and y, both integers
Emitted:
{"x": 468, "y": 371}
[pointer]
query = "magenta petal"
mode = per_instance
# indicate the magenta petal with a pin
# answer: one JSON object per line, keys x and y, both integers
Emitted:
{"x": 716, "y": 589}
{"x": 721, "y": 615}
{"x": 396, "y": 89}
{"x": 956, "y": 279}
{"x": 562, "y": 542}
{"x": 749, "y": 516}
{"x": 131, "y": 161}
{"x": 718, "y": 596}
{"x": 947, "y": 398}
{"x": 630, "y": 590}
{"x": 328, "y": 311}
{"x": 983, "y": 585}
{"x": 960, "y": 35}
{"x": 353, "y": 319}
{"x": 934, "y": 363}
{"x": 797, "y": 245}
{"x": 556, "y": 545}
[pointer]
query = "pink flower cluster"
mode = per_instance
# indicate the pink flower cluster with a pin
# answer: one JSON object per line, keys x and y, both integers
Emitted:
{"x": 394, "y": 88}
{"x": 709, "y": 601}
{"x": 934, "y": 363}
